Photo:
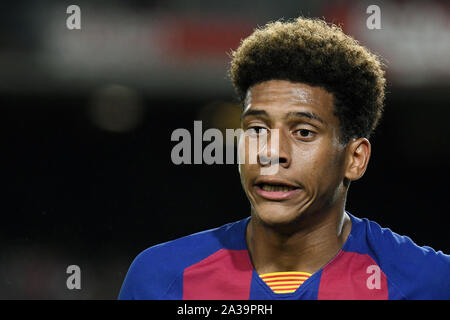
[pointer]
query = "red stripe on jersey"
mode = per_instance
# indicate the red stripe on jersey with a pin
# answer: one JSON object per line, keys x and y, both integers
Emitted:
{"x": 224, "y": 275}
{"x": 352, "y": 276}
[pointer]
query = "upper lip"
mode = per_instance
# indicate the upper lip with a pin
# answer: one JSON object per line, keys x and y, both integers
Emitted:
{"x": 275, "y": 181}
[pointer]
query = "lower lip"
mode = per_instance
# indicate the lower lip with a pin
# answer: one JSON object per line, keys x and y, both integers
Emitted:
{"x": 277, "y": 195}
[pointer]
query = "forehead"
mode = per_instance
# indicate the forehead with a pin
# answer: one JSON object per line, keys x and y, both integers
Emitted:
{"x": 280, "y": 96}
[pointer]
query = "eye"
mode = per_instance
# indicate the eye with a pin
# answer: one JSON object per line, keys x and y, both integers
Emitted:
{"x": 257, "y": 131}
{"x": 304, "y": 133}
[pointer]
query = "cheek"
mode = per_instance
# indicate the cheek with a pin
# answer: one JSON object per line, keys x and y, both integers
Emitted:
{"x": 247, "y": 157}
{"x": 307, "y": 159}
{"x": 247, "y": 173}
{"x": 242, "y": 173}
{"x": 249, "y": 148}
{"x": 241, "y": 156}
{"x": 316, "y": 164}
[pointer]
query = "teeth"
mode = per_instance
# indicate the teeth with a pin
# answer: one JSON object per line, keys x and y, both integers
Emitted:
{"x": 274, "y": 188}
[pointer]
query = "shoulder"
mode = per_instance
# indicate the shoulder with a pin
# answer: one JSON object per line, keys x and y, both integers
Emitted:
{"x": 418, "y": 272}
{"x": 156, "y": 269}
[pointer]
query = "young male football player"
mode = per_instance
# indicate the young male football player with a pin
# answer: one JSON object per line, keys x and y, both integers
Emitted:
{"x": 323, "y": 94}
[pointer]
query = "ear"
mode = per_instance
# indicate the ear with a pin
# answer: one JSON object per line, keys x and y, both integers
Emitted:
{"x": 358, "y": 155}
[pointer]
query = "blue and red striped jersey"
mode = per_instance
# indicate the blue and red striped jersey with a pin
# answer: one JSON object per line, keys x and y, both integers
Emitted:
{"x": 374, "y": 263}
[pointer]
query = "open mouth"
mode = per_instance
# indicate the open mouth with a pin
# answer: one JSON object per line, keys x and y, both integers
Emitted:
{"x": 275, "y": 187}
{"x": 276, "y": 190}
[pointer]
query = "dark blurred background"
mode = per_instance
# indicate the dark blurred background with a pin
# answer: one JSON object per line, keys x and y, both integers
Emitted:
{"x": 87, "y": 117}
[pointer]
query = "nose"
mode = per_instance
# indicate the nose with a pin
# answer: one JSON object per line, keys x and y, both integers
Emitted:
{"x": 276, "y": 150}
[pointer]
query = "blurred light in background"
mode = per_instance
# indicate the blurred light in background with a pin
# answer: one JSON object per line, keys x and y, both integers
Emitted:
{"x": 116, "y": 108}
{"x": 221, "y": 115}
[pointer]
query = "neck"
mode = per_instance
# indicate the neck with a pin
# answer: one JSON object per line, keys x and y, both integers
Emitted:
{"x": 317, "y": 238}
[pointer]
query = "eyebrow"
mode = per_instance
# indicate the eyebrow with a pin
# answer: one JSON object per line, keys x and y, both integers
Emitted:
{"x": 254, "y": 112}
{"x": 298, "y": 114}
{"x": 303, "y": 114}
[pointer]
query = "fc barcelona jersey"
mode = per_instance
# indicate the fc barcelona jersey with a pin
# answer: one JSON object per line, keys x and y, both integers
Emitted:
{"x": 374, "y": 263}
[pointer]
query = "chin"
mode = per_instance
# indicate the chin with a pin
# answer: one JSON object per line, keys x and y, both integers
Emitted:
{"x": 276, "y": 214}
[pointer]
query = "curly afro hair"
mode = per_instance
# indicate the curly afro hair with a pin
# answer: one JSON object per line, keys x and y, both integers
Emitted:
{"x": 313, "y": 52}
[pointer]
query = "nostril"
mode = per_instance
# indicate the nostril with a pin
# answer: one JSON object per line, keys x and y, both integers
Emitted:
{"x": 282, "y": 160}
{"x": 264, "y": 160}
